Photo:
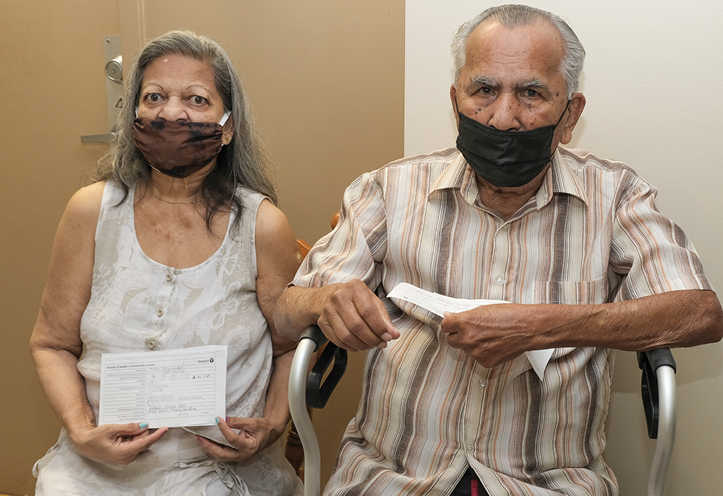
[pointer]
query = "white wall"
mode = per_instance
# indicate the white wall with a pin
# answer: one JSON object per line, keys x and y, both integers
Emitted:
{"x": 651, "y": 79}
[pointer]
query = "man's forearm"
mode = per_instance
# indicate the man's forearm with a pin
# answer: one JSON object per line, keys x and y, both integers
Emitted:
{"x": 493, "y": 334}
{"x": 295, "y": 311}
{"x": 672, "y": 319}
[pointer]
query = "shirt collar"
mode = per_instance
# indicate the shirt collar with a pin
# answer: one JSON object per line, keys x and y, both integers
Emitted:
{"x": 458, "y": 175}
{"x": 561, "y": 178}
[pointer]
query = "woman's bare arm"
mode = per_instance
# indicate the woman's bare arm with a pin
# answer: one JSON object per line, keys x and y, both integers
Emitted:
{"x": 55, "y": 343}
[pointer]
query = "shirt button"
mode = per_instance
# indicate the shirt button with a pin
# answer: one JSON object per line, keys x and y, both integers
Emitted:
{"x": 160, "y": 312}
{"x": 151, "y": 344}
{"x": 501, "y": 281}
{"x": 470, "y": 447}
{"x": 483, "y": 382}
{"x": 169, "y": 277}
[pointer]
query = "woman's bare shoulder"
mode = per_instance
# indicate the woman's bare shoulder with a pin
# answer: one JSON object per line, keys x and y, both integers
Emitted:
{"x": 84, "y": 206}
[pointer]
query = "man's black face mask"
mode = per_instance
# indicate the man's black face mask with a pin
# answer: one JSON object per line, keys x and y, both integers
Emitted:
{"x": 505, "y": 158}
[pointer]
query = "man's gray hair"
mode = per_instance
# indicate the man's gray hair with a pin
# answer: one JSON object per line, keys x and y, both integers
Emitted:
{"x": 512, "y": 16}
{"x": 241, "y": 163}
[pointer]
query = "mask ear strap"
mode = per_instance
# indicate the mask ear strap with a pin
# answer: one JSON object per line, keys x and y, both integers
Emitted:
{"x": 136, "y": 110}
{"x": 563, "y": 113}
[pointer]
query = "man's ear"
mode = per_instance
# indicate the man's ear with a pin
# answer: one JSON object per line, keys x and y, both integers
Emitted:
{"x": 453, "y": 99}
{"x": 577, "y": 105}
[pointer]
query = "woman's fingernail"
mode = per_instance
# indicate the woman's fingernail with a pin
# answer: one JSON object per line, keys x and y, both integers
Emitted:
{"x": 218, "y": 420}
{"x": 226, "y": 419}
{"x": 144, "y": 425}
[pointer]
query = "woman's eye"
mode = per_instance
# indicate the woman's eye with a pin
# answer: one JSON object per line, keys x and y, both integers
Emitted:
{"x": 198, "y": 100}
{"x": 153, "y": 97}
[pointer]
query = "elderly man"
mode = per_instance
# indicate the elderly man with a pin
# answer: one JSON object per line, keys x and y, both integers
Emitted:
{"x": 574, "y": 242}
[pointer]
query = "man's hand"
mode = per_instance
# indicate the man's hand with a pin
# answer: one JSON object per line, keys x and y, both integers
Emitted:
{"x": 254, "y": 434}
{"x": 492, "y": 334}
{"x": 354, "y": 318}
{"x": 118, "y": 443}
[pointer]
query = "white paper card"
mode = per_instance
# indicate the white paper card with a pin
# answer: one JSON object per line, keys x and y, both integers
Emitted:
{"x": 438, "y": 304}
{"x": 169, "y": 388}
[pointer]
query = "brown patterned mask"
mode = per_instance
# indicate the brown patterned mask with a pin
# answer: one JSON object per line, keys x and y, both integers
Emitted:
{"x": 175, "y": 148}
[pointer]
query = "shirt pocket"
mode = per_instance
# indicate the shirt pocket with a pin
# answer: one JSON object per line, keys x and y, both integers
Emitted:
{"x": 572, "y": 292}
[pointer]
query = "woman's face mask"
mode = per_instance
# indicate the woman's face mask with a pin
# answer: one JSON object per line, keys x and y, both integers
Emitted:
{"x": 178, "y": 149}
{"x": 505, "y": 158}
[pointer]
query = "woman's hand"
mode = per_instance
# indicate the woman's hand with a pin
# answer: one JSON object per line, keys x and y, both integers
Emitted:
{"x": 254, "y": 435}
{"x": 276, "y": 261}
{"x": 117, "y": 443}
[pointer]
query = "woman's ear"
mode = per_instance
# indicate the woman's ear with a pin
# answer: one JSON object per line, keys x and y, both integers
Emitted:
{"x": 229, "y": 128}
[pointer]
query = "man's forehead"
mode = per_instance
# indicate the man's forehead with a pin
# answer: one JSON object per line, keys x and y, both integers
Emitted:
{"x": 519, "y": 54}
{"x": 492, "y": 36}
{"x": 538, "y": 26}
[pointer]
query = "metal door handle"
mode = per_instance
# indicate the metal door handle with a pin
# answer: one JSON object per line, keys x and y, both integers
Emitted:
{"x": 114, "y": 90}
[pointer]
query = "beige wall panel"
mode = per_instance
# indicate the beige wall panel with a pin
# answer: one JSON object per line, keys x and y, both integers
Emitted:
{"x": 53, "y": 89}
{"x": 326, "y": 83}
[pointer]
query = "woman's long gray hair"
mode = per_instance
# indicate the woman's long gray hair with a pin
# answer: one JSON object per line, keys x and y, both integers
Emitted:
{"x": 511, "y": 16}
{"x": 240, "y": 163}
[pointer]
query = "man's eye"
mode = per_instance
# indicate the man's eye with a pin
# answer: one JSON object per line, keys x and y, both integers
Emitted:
{"x": 531, "y": 94}
{"x": 485, "y": 90}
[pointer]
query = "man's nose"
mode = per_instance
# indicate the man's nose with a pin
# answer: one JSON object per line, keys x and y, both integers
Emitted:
{"x": 505, "y": 113}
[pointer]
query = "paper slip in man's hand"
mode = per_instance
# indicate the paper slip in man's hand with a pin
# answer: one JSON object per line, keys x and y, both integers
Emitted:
{"x": 439, "y": 304}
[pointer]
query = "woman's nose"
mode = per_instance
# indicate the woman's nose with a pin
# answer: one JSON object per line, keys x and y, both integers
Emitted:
{"x": 173, "y": 110}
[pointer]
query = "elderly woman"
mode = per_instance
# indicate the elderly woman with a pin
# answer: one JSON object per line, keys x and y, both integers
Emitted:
{"x": 177, "y": 244}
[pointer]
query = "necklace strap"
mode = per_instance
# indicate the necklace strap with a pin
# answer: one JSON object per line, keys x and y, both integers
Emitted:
{"x": 175, "y": 202}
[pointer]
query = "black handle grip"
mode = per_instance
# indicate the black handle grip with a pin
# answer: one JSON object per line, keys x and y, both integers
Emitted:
{"x": 649, "y": 362}
{"x": 314, "y": 333}
{"x": 318, "y": 393}
{"x": 657, "y": 358}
